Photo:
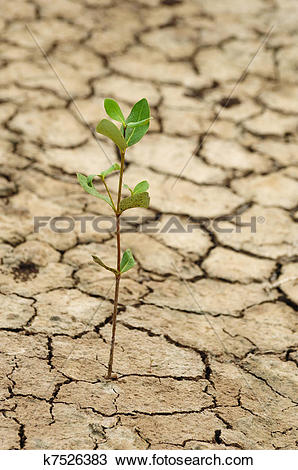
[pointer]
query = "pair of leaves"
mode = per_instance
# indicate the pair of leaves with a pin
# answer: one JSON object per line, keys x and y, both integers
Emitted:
{"x": 132, "y": 129}
{"x": 139, "y": 197}
{"x": 114, "y": 111}
{"x": 87, "y": 184}
{"x": 127, "y": 262}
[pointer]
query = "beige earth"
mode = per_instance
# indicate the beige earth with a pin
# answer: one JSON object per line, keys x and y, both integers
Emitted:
{"x": 206, "y": 350}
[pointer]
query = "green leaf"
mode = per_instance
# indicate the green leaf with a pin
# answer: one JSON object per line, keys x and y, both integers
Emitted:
{"x": 103, "y": 265}
{"x": 127, "y": 187}
{"x": 90, "y": 180}
{"x": 136, "y": 200}
{"x": 127, "y": 261}
{"x": 141, "y": 187}
{"x": 87, "y": 185}
{"x": 139, "y": 123}
{"x": 139, "y": 112}
{"x": 108, "y": 128}
{"x": 110, "y": 170}
{"x": 113, "y": 110}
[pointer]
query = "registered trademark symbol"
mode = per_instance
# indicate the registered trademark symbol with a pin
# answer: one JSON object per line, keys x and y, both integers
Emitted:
{"x": 260, "y": 219}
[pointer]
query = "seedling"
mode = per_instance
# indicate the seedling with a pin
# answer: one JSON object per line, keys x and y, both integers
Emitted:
{"x": 130, "y": 132}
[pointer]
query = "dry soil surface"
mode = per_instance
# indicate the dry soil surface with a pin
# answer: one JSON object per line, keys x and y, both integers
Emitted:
{"x": 205, "y": 355}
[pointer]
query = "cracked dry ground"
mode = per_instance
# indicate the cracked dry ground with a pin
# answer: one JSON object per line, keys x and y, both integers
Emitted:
{"x": 205, "y": 351}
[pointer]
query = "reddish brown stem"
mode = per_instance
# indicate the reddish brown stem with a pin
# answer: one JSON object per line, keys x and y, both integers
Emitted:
{"x": 110, "y": 366}
{"x": 114, "y": 318}
{"x": 117, "y": 276}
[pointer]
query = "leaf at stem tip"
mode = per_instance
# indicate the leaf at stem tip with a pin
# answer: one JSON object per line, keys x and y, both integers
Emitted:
{"x": 103, "y": 265}
{"x": 127, "y": 261}
{"x": 139, "y": 123}
{"x": 108, "y": 128}
{"x": 141, "y": 187}
{"x": 139, "y": 112}
{"x": 87, "y": 185}
{"x": 110, "y": 170}
{"x": 136, "y": 200}
{"x": 113, "y": 110}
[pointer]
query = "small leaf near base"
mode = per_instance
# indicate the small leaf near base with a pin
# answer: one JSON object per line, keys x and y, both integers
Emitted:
{"x": 127, "y": 261}
{"x": 103, "y": 265}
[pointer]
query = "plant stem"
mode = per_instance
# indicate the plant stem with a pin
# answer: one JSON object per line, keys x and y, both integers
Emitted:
{"x": 109, "y": 194}
{"x": 120, "y": 181}
{"x": 117, "y": 276}
{"x": 110, "y": 365}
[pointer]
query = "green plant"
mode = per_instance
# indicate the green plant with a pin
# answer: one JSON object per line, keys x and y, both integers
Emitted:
{"x": 131, "y": 131}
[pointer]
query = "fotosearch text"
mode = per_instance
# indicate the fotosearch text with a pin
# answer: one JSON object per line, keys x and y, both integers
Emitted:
{"x": 174, "y": 224}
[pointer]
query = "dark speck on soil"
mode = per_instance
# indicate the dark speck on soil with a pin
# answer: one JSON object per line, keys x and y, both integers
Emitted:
{"x": 228, "y": 103}
{"x": 25, "y": 271}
